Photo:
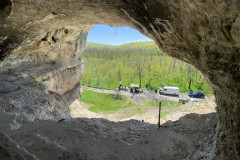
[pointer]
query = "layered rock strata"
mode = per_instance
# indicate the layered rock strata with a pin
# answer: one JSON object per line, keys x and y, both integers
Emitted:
{"x": 40, "y": 81}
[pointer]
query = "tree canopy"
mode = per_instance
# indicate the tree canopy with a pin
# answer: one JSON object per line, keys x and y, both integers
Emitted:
{"x": 138, "y": 62}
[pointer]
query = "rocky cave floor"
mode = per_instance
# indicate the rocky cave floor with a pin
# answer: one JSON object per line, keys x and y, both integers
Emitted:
{"x": 190, "y": 137}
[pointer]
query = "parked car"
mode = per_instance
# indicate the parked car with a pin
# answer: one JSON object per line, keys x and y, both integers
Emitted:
{"x": 192, "y": 100}
{"x": 196, "y": 94}
{"x": 169, "y": 90}
{"x": 135, "y": 88}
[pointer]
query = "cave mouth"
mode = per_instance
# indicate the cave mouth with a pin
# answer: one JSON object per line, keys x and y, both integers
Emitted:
{"x": 121, "y": 56}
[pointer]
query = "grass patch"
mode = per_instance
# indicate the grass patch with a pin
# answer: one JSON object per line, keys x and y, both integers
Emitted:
{"x": 101, "y": 102}
{"x": 136, "y": 111}
{"x": 164, "y": 103}
{"x": 163, "y": 114}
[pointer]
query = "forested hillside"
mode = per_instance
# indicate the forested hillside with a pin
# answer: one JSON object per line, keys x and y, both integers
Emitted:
{"x": 138, "y": 62}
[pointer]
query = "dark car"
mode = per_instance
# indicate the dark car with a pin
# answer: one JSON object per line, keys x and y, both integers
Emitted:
{"x": 135, "y": 88}
{"x": 196, "y": 95}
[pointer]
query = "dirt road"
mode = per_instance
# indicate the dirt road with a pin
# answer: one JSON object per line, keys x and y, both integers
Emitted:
{"x": 147, "y": 94}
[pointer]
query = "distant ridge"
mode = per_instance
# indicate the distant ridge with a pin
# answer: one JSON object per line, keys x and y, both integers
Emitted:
{"x": 146, "y": 45}
{"x": 136, "y": 48}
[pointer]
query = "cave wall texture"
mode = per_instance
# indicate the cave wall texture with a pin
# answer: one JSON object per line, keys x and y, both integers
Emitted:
{"x": 41, "y": 43}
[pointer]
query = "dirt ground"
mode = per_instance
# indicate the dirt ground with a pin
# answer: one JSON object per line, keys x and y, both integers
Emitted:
{"x": 204, "y": 106}
{"x": 101, "y": 139}
{"x": 80, "y": 109}
{"x": 187, "y": 134}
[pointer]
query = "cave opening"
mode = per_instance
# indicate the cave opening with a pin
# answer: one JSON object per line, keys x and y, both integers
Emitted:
{"x": 137, "y": 118}
{"x": 113, "y": 58}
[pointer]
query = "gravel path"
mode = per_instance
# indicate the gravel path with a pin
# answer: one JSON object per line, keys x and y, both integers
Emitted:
{"x": 141, "y": 96}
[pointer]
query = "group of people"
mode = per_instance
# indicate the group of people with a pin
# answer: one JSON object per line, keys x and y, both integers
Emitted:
{"x": 155, "y": 90}
{"x": 121, "y": 87}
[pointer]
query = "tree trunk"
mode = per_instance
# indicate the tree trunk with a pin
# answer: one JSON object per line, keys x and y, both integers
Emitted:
{"x": 140, "y": 80}
{"x": 189, "y": 84}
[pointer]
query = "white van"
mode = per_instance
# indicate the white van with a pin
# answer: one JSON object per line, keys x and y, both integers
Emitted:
{"x": 169, "y": 90}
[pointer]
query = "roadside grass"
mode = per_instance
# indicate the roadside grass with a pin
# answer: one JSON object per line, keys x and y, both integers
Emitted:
{"x": 163, "y": 114}
{"x": 167, "y": 106}
{"x": 109, "y": 103}
{"x": 164, "y": 103}
{"x": 141, "y": 108}
{"x": 136, "y": 111}
{"x": 101, "y": 102}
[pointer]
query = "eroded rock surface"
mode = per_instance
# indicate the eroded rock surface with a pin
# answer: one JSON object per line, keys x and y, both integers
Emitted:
{"x": 42, "y": 41}
{"x": 41, "y": 80}
{"x": 84, "y": 138}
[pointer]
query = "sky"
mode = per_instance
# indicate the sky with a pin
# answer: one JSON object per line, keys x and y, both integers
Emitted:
{"x": 105, "y": 34}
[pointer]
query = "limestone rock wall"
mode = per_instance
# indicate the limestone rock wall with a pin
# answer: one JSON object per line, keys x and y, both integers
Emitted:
{"x": 26, "y": 100}
{"x": 41, "y": 79}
